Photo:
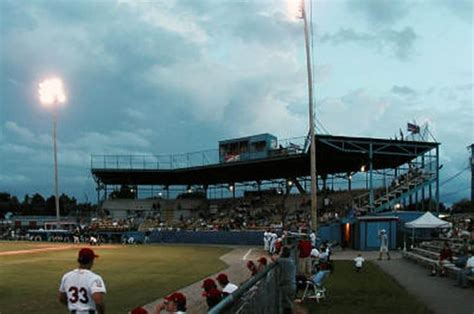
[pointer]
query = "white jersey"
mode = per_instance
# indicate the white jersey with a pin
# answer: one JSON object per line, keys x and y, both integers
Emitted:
{"x": 229, "y": 288}
{"x": 312, "y": 237}
{"x": 79, "y": 285}
{"x": 359, "y": 260}
{"x": 266, "y": 241}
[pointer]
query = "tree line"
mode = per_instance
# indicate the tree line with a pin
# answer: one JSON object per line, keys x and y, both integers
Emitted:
{"x": 37, "y": 204}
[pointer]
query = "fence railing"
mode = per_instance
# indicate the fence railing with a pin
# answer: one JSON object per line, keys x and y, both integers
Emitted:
{"x": 179, "y": 161}
{"x": 261, "y": 294}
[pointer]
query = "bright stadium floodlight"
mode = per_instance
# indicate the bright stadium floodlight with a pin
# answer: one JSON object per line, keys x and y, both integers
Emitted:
{"x": 51, "y": 94}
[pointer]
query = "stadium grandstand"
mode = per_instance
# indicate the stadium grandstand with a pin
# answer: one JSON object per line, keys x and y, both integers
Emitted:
{"x": 258, "y": 182}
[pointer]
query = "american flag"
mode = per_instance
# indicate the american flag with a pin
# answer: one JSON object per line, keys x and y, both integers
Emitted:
{"x": 413, "y": 128}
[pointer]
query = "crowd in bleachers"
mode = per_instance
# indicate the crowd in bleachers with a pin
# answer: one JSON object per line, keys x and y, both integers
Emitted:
{"x": 112, "y": 225}
{"x": 450, "y": 252}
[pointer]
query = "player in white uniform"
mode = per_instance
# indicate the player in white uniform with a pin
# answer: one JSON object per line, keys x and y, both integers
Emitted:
{"x": 81, "y": 289}
{"x": 266, "y": 241}
{"x": 273, "y": 238}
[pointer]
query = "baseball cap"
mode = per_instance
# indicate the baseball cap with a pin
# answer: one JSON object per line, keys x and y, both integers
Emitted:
{"x": 213, "y": 294}
{"x": 177, "y": 298}
{"x": 250, "y": 264}
{"x": 222, "y": 278}
{"x": 262, "y": 260}
{"x": 139, "y": 310}
{"x": 208, "y": 283}
{"x": 86, "y": 255}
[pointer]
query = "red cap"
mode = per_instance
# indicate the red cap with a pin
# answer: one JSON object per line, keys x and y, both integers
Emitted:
{"x": 139, "y": 310}
{"x": 262, "y": 260}
{"x": 250, "y": 264}
{"x": 213, "y": 294}
{"x": 222, "y": 278}
{"x": 86, "y": 255}
{"x": 177, "y": 298}
{"x": 209, "y": 283}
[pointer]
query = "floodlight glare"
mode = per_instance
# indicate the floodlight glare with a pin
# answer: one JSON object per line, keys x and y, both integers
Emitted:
{"x": 51, "y": 91}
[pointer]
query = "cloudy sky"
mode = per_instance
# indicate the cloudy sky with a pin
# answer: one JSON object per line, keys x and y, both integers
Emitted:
{"x": 159, "y": 77}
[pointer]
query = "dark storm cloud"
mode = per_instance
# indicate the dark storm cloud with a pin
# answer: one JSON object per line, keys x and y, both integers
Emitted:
{"x": 380, "y": 12}
{"x": 403, "y": 90}
{"x": 399, "y": 43}
{"x": 462, "y": 9}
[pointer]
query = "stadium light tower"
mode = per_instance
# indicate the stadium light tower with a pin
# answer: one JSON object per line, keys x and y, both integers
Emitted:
{"x": 51, "y": 94}
{"x": 312, "y": 133}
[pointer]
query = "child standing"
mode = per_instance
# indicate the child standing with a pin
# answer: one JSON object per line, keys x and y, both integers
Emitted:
{"x": 359, "y": 262}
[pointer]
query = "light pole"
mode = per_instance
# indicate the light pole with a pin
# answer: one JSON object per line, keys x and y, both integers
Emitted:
{"x": 51, "y": 94}
{"x": 312, "y": 133}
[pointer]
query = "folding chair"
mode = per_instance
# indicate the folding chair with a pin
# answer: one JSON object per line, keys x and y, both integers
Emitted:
{"x": 314, "y": 287}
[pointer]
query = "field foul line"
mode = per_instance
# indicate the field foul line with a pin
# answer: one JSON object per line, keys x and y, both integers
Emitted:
{"x": 245, "y": 256}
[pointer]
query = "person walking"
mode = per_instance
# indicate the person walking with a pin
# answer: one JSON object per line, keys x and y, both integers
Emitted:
{"x": 383, "y": 244}
{"x": 82, "y": 290}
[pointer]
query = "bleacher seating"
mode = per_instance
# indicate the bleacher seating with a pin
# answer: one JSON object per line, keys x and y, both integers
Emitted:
{"x": 427, "y": 254}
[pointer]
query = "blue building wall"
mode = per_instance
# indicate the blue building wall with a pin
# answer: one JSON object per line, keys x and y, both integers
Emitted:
{"x": 367, "y": 236}
{"x": 331, "y": 232}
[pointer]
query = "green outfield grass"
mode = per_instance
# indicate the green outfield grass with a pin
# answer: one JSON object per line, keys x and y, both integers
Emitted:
{"x": 370, "y": 292}
{"x": 134, "y": 275}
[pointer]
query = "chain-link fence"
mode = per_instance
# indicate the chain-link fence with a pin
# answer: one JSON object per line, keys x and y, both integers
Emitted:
{"x": 259, "y": 295}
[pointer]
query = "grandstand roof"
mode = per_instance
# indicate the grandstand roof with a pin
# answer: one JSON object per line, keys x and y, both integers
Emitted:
{"x": 334, "y": 154}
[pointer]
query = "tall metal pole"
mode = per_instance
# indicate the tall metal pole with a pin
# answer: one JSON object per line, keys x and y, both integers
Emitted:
{"x": 472, "y": 172}
{"x": 314, "y": 200}
{"x": 55, "y": 149}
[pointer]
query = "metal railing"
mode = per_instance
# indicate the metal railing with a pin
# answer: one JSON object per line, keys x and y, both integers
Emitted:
{"x": 179, "y": 161}
{"x": 261, "y": 294}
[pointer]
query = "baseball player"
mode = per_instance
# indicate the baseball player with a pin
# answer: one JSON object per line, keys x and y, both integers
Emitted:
{"x": 266, "y": 241}
{"x": 227, "y": 287}
{"x": 81, "y": 289}
{"x": 174, "y": 303}
{"x": 383, "y": 244}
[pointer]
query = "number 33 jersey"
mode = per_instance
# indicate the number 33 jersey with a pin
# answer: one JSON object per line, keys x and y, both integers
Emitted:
{"x": 80, "y": 285}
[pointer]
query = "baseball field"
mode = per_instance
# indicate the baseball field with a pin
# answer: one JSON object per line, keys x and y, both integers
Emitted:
{"x": 30, "y": 273}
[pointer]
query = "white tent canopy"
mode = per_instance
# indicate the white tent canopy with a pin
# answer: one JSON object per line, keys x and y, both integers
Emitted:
{"x": 428, "y": 220}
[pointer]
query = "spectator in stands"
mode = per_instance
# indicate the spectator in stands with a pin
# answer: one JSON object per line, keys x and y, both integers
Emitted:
{"x": 287, "y": 279}
{"x": 383, "y": 244}
{"x": 174, "y": 303}
{"x": 227, "y": 287}
{"x": 312, "y": 237}
{"x": 262, "y": 263}
{"x": 252, "y": 268}
{"x": 359, "y": 262}
{"x": 467, "y": 271}
{"x": 462, "y": 258}
{"x": 445, "y": 257}
{"x": 278, "y": 245}
{"x": 324, "y": 270}
{"x": 304, "y": 252}
{"x": 211, "y": 293}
